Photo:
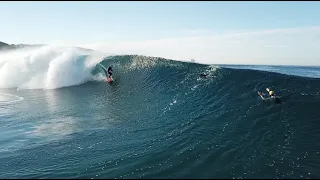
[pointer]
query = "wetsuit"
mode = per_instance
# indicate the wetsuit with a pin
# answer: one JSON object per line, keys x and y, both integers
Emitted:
{"x": 272, "y": 96}
{"x": 109, "y": 71}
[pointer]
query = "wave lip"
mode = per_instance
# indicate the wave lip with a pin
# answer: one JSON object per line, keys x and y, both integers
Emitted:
{"x": 47, "y": 67}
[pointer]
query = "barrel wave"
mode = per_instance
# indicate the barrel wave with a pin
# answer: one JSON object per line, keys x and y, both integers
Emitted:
{"x": 47, "y": 67}
{"x": 160, "y": 119}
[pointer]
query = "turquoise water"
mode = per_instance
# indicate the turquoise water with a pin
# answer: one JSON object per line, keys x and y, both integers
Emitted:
{"x": 159, "y": 119}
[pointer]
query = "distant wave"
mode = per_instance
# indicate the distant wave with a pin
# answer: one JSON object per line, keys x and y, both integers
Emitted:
{"x": 303, "y": 71}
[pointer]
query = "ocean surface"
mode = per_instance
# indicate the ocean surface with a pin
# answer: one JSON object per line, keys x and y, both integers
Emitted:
{"x": 159, "y": 118}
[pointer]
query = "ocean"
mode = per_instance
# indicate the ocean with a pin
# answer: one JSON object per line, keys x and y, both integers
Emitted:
{"x": 158, "y": 119}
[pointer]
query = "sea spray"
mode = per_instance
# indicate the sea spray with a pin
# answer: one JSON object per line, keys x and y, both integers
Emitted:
{"x": 47, "y": 67}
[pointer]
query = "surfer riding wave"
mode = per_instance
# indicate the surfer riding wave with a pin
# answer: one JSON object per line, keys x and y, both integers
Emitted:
{"x": 108, "y": 72}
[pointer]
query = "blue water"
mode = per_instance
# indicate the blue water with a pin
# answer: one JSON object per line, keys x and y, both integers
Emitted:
{"x": 159, "y": 119}
{"x": 303, "y": 71}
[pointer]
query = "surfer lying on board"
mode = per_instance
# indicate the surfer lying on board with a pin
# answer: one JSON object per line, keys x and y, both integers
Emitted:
{"x": 272, "y": 96}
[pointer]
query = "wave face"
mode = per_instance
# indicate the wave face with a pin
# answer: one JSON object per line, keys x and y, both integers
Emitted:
{"x": 159, "y": 119}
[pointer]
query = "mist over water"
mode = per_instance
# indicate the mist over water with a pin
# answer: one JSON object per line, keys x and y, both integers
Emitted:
{"x": 47, "y": 67}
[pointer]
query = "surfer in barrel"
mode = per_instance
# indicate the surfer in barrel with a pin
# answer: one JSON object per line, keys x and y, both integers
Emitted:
{"x": 109, "y": 71}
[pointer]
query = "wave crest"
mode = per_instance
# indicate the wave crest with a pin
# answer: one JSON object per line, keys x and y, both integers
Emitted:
{"x": 47, "y": 67}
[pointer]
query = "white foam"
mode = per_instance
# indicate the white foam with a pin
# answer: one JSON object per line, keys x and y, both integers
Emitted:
{"x": 46, "y": 67}
{"x": 15, "y": 98}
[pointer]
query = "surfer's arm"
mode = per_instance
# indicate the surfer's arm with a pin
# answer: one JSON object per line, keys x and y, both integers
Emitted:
{"x": 263, "y": 98}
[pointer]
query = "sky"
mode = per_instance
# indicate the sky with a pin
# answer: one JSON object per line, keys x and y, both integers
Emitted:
{"x": 213, "y": 32}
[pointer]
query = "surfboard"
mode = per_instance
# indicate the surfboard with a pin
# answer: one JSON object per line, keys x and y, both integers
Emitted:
{"x": 109, "y": 80}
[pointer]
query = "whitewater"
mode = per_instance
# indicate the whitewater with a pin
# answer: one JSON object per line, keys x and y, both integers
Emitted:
{"x": 47, "y": 67}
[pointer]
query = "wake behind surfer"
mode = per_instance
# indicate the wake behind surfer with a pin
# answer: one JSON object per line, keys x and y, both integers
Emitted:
{"x": 272, "y": 96}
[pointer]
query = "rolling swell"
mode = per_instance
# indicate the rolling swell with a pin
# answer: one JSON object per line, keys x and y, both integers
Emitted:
{"x": 159, "y": 119}
{"x": 217, "y": 125}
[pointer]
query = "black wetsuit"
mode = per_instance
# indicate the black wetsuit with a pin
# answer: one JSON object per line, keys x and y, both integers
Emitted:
{"x": 110, "y": 71}
{"x": 276, "y": 99}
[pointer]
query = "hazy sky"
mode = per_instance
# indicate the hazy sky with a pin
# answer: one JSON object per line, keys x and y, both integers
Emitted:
{"x": 210, "y": 32}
